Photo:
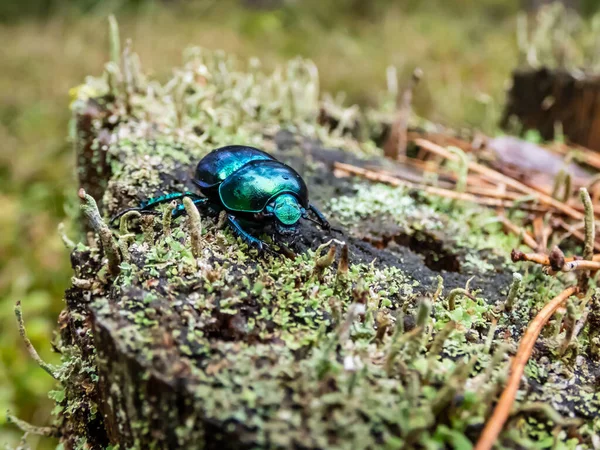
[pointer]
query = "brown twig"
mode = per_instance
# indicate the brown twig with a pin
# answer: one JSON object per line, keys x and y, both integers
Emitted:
{"x": 538, "y": 258}
{"x": 574, "y": 231}
{"x": 538, "y": 232}
{"x": 446, "y": 193}
{"x": 582, "y": 154}
{"x": 475, "y": 185}
{"x": 442, "y": 138}
{"x": 581, "y": 264}
{"x": 557, "y": 262}
{"x": 528, "y": 240}
{"x": 483, "y": 170}
{"x": 502, "y": 411}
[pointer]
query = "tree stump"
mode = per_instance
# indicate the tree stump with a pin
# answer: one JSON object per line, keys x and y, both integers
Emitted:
{"x": 542, "y": 99}
{"x": 340, "y": 341}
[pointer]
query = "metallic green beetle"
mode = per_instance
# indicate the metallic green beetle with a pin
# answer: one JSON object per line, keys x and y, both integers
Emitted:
{"x": 252, "y": 187}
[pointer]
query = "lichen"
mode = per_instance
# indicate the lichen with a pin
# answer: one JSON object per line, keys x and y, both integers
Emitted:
{"x": 263, "y": 350}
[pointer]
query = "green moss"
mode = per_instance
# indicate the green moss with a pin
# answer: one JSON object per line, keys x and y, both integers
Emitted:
{"x": 282, "y": 351}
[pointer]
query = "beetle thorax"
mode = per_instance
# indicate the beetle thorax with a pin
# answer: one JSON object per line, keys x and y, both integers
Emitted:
{"x": 287, "y": 212}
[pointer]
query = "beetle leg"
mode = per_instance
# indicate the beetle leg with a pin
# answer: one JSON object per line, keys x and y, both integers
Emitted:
{"x": 320, "y": 216}
{"x": 246, "y": 237}
{"x": 147, "y": 205}
{"x": 180, "y": 209}
{"x": 151, "y": 202}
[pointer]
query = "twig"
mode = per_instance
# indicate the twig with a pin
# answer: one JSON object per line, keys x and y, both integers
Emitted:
{"x": 573, "y": 231}
{"x": 581, "y": 264}
{"x": 528, "y": 240}
{"x": 582, "y": 154}
{"x": 557, "y": 260}
{"x": 478, "y": 168}
{"x": 30, "y": 348}
{"x": 538, "y": 233}
{"x": 446, "y": 193}
{"x": 539, "y": 258}
{"x": 473, "y": 183}
{"x": 563, "y": 265}
{"x": 461, "y": 183}
{"x": 26, "y": 427}
{"x": 502, "y": 411}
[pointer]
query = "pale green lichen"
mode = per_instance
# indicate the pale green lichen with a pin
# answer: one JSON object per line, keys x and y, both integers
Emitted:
{"x": 277, "y": 353}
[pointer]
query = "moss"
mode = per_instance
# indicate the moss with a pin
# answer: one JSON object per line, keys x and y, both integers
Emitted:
{"x": 277, "y": 351}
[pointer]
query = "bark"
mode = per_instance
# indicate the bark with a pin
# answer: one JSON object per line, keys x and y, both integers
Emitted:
{"x": 541, "y": 99}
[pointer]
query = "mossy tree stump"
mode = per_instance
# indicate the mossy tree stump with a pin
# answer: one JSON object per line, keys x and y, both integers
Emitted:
{"x": 233, "y": 349}
{"x": 544, "y": 99}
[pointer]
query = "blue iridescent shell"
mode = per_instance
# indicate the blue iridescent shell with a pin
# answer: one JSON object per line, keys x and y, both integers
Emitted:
{"x": 219, "y": 164}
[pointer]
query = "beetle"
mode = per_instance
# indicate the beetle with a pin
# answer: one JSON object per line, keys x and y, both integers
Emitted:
{"x": 252, "y": 187}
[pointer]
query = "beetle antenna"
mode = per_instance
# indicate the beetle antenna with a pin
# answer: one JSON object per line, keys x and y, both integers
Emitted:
{"x": 316, "y": 222}
{"x": 337, "y": 230}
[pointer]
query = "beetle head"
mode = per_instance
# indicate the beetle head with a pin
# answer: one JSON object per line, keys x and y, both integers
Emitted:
{"x": 287, "y": 212}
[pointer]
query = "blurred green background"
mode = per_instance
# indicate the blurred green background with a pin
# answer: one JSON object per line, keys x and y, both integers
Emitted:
{"x": 466, "y": 49}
